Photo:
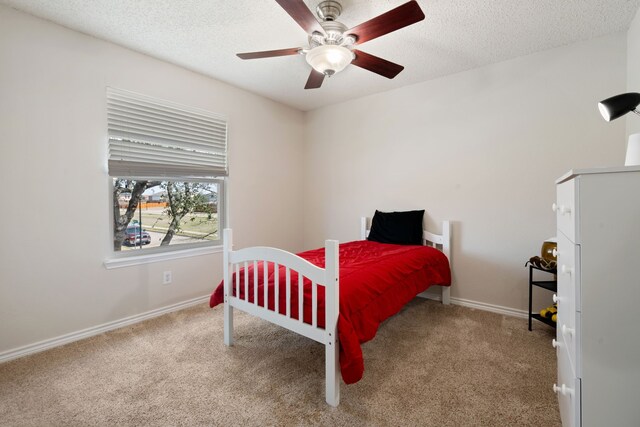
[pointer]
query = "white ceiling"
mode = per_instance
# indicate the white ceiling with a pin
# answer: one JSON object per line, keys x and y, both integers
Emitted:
{"x": 457, "y": 35}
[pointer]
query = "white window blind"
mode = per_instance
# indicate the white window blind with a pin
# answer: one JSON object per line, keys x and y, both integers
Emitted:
{"x": 156, "y": 138}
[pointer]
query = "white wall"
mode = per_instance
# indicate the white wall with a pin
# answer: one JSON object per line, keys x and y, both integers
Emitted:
{"x": 55, "y": 193}
{"x": 482, "y": 148}
{"x": 633, "y": 69}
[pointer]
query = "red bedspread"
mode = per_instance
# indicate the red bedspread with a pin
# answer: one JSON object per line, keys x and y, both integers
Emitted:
{"x": 376, "y": 281}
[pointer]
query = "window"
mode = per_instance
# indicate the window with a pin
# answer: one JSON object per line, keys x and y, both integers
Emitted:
{"x": 168, "y": 164}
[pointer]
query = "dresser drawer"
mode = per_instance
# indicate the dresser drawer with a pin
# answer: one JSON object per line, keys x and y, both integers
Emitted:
{"x": 569, "y": 281}
{"x": 568, "y": 335}
{"x": 566, "y": 209}
{"x": 568, "y": 325}
{"x": 568, "y": 391}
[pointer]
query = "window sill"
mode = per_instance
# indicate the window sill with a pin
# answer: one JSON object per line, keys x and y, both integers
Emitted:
{"x": 129, "y": 261}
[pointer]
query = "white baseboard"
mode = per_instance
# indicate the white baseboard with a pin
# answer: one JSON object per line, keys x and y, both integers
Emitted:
{"x": 96, "y": 330}
{"x": 507, "y": 311}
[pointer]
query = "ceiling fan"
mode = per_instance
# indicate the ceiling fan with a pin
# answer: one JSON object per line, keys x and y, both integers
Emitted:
{"x": 332, "y": 45}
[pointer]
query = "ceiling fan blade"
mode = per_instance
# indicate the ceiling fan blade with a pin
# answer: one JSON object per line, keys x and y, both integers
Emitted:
{"x": 377, "y": 65}
{"x": 302, "y": 15}
{"x": 315, "y": 80}
{"x": 269, "y": 53}
{"x": 406, "y": 14}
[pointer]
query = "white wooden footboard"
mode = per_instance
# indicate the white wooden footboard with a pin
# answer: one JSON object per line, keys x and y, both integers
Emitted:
{"x": 327, "y": 277}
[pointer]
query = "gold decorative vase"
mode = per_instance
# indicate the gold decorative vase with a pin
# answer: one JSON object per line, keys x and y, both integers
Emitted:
{"x": 548, "y": 249}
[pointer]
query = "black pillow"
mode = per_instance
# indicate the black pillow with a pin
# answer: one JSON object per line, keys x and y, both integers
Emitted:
{"x": 401, "y": 228}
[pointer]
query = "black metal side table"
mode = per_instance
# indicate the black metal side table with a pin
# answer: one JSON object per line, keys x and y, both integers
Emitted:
{"x": 551, "y": 285}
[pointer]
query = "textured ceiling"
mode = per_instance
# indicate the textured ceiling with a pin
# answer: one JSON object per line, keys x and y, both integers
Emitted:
{"x": 457, "y": 35}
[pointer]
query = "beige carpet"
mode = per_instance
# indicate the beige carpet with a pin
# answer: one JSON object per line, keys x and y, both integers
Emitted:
{"x": 430, "y": 365}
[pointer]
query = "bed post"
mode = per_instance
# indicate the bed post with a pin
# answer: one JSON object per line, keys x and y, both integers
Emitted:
{"x": 228, "y": 310}
{"x": 332, "y": 304}
{"x": 446, "y": 249}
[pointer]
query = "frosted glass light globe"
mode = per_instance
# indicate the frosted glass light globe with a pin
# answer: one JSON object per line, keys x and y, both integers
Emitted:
{"x": 329, "y": 59}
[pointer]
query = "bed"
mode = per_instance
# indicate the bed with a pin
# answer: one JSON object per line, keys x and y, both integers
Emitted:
{"x": 341, "y": 305}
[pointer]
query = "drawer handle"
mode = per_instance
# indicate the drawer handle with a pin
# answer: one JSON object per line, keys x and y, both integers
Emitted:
{"x": 562, "y": 209}
{"x": 554, "y": 343}
{"x": 554, "y": 252}
{"x": 566, "y": 270}
{"x": 555, "y": 298}
{"x": 563, "y": 390}
{"x": 567, "y": 331}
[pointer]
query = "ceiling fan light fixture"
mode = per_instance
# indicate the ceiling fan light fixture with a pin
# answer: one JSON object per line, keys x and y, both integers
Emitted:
{"x": 332, "y": 45}
{"x": 329, "y": 59}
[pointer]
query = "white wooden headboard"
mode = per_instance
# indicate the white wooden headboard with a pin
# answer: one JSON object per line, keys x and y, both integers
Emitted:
{"x": 439, "y": 241}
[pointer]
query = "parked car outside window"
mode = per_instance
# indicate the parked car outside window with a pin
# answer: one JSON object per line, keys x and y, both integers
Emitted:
{"x": 134, "y": 235}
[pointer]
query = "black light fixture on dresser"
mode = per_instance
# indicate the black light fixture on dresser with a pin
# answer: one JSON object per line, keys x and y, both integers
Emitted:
{"x": 619, "y": 105}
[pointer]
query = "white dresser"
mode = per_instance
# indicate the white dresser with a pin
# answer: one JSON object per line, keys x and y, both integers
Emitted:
{"x": 598, "y": 329}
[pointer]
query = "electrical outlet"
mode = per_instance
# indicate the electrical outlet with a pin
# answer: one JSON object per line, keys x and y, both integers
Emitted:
{"x": 166, "y": 277}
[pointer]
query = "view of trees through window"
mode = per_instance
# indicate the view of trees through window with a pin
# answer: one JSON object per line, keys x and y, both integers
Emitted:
{"x": 149, "y": 213}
